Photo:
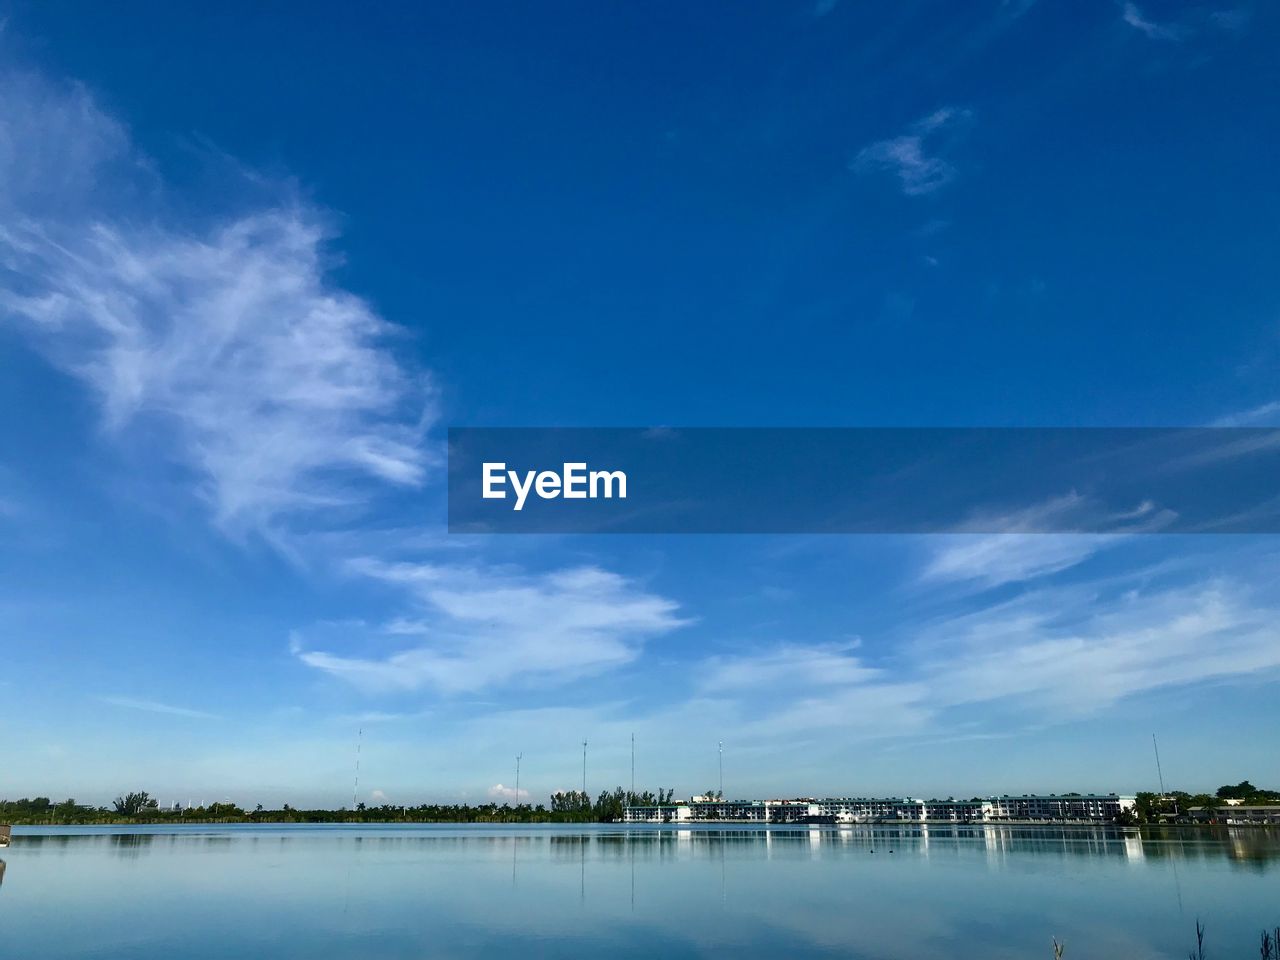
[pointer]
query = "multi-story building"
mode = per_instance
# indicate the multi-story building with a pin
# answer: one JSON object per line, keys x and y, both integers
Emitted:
{"x": 656, "y": 813}
{"x": 714, "y": 810}
{"x": 1238, "y": 813}
{"x": 1073, "y": 806}
{"x": 750, "y": 811}
{"x": 1088, "y": 808}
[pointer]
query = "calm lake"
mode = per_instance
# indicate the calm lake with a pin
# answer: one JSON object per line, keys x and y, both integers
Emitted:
{"x": 645, "y": 891}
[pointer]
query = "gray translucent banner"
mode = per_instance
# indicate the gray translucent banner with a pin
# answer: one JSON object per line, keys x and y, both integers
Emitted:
{"x": 820, "y": 480}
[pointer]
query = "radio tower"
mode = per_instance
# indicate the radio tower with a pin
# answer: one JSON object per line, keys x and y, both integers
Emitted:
{"x": 1159, "y": 773}
{"x": 355, "y": 789}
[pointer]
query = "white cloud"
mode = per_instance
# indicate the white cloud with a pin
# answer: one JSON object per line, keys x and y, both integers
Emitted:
{"x": 906, "y": 155}
{"x": 229, "y": 342}
{"x": 856, "y": 712}
{"x": 1074, "y": 649}
{"x": 1054, "y": 655}
{"x": 1021, "y": 550}
{"x": 1263, "y": 415}
{"x": 481, "y": 627}
{"x": 1135, "y": 18}
{"x": 227, "y": 346}
{"x": 786, "y": 666}
{"x": 382, "y": 716}
{"x": 995, "y": 559}
{"x": 55, "y": 146}
{"x": 499, "y": 792}
{"x": 151, "y": 706}
{"x": 1075, "y": 652}
{"x": 1233, "y": 21}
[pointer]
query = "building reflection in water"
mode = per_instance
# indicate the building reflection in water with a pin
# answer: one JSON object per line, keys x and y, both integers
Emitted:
{"x": 1249, "y": 846}
{"x": 1246, "y": 846}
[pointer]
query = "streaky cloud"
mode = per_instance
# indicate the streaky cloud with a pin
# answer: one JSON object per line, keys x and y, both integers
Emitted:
{"x": 906, "y": 156}
{"x": 226, "y": 340}
{"x": 476, "y": 627}
{"x": 152, "y": 706}
{"x": 1134, "y": 17}
{"x": 1263, "y": 415}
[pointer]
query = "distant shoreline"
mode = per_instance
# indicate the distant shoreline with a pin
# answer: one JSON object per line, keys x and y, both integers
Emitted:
{"x": 644, "y": 825}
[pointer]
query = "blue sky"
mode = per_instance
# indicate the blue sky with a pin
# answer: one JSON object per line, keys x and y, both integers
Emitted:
{"x": 253, "y": 266}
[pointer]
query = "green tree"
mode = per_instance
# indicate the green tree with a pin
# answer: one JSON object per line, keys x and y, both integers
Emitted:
{"x": 1241, "y": 791}
{"x": 132, "y": 804}
{"x": 67, "y": 810}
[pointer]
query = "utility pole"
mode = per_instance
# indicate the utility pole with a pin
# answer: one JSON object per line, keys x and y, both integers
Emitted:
{"x": 720, "y": 746}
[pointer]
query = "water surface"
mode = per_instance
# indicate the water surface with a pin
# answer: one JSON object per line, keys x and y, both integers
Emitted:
{"x": 329, "y": 892}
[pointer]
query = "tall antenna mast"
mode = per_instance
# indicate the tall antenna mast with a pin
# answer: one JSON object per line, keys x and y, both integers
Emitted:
{"x": 1159, "y": 772}
{"x": 355, "y": 788}
{"x": 720, "y": 747}
{"x": 584, "y": 768}
{"x": 518, "y": 756}
{"x": 633, "y": 768}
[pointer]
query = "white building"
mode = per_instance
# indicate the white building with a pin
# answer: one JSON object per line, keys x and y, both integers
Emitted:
{"x": 1080, "y": 808}
{"x": 657, "y": 813}
{"x": 1239, "y": 813}
{"x": 1072, "y": 806}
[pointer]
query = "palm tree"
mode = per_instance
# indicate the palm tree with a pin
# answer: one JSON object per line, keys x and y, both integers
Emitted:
{"x": 132, "y": 804}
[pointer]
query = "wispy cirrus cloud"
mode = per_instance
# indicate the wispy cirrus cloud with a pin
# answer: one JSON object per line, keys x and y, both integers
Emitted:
{"x": 223, "y": 343}
{"x": 1134, "y": 17}
{"x": 787, "y": 666}
{"x": 789, "y": 710}
{"x": 1019, "y": 551}
{"x": 1263, "y": 415}
{"x": 57, "y": 147}
{"x": 1055, "y": 655}
{"x": 1075, "y": 652}
{"x": 1017, "y": 8}
{"x": 1232, "y": 20}
{"x": 230, "y": 342}
{"x": 995, "y": 559}
{"x": 382, "y": 716}
{"x": 474, "y": 627}
{"x": 152, "y": 706}
{"x": 798, "y": 689}
{"x": 1189, "y": 23}
{"x": 907, "y": 156}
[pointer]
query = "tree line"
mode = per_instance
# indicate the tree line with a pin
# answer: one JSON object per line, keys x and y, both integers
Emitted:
{"x": 572, "y": 806}
{"x": 1151, "y": 807}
